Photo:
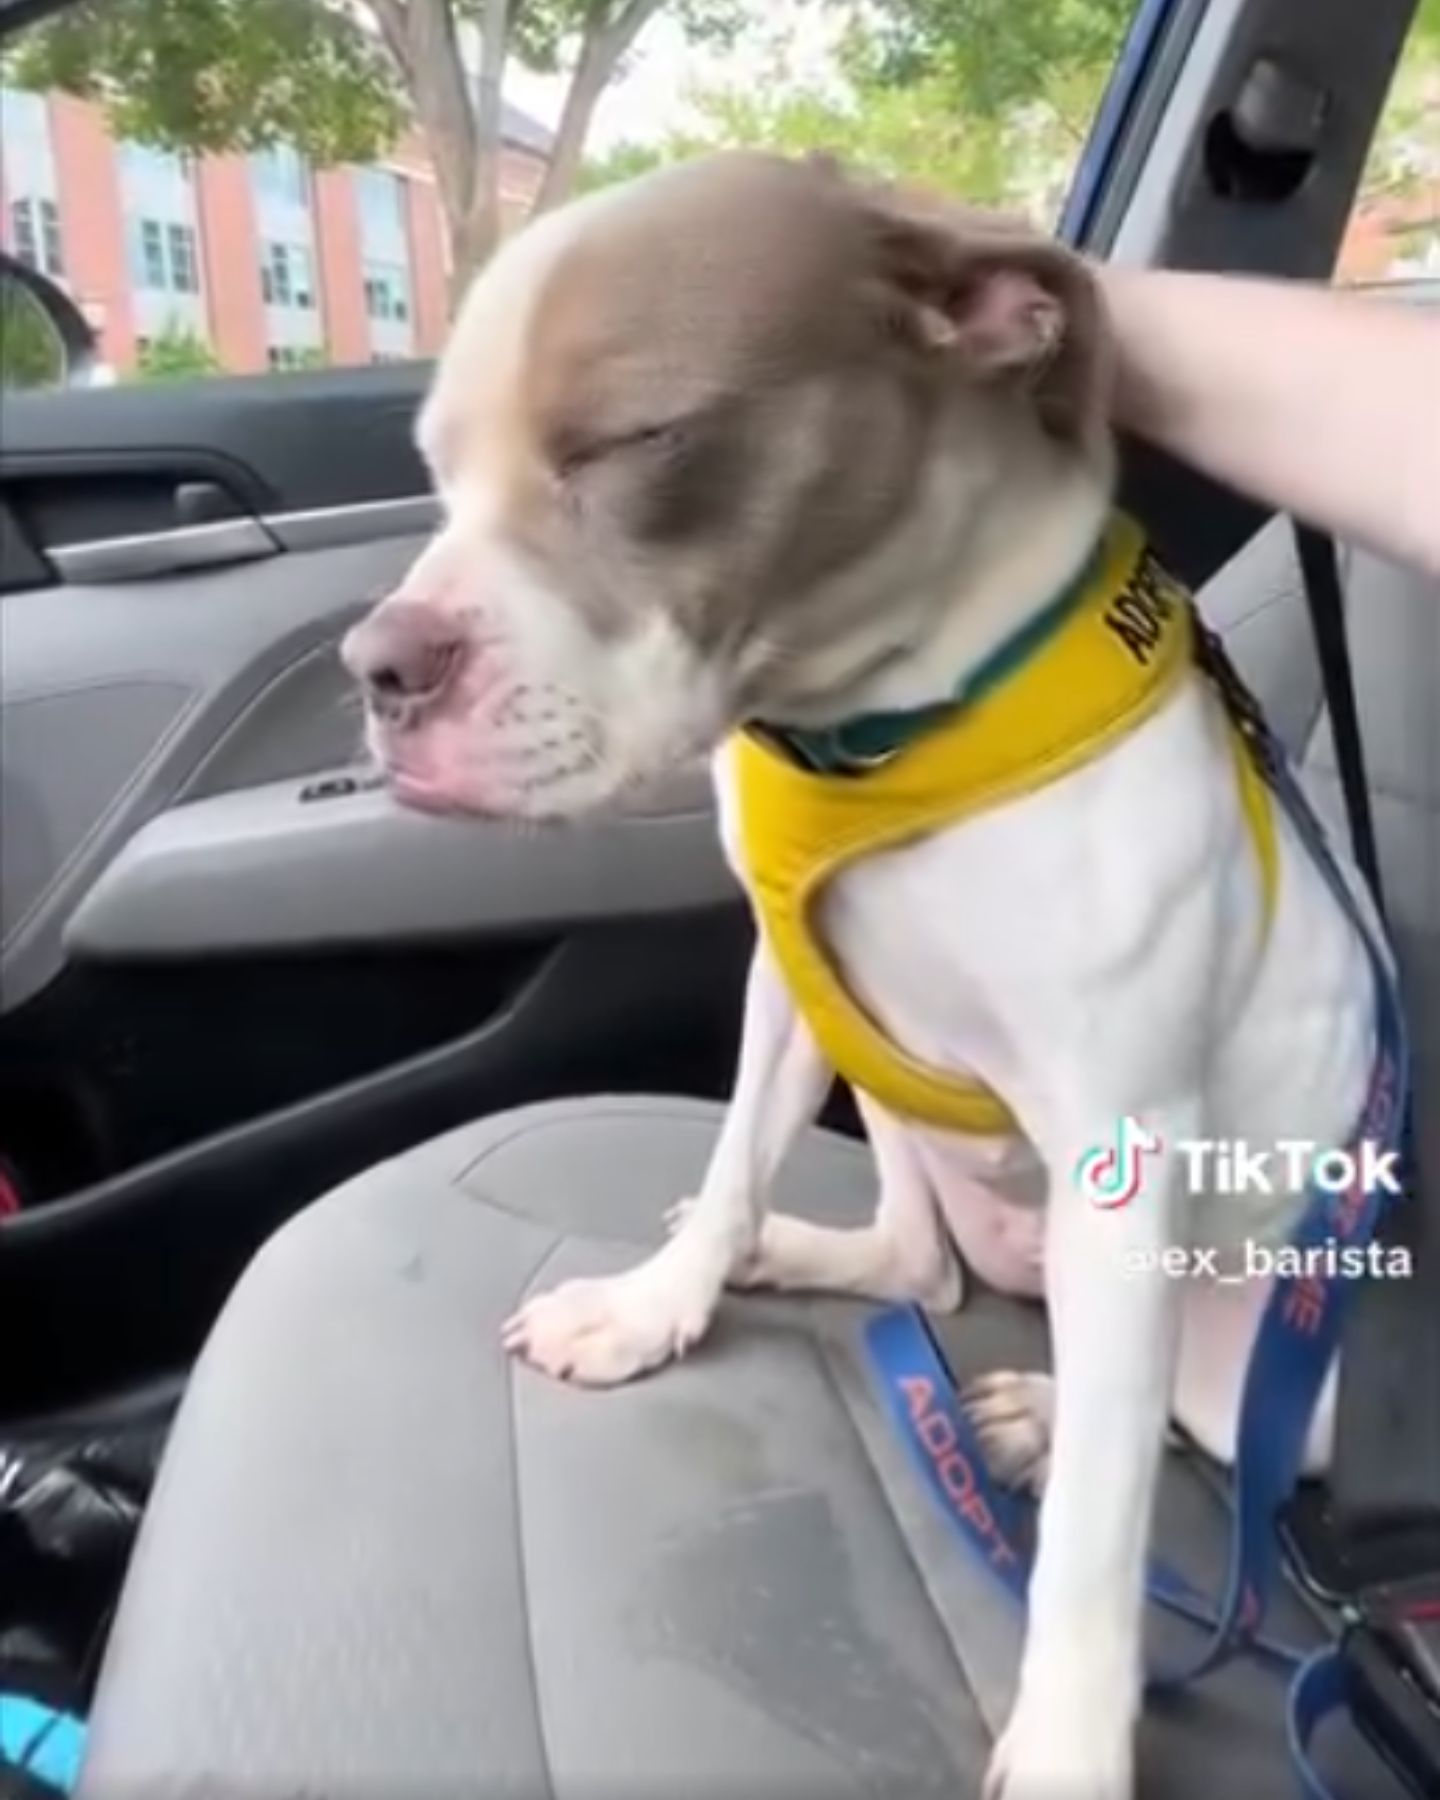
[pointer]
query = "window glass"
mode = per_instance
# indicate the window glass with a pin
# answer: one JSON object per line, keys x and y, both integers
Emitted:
{"x": 304, "y": 277}
{"x": 1394, "y": 231}
{"x": 380, "y": 195}
{"x": 294, "y": 356}
{"x": 275, "y": 275}
{"x": 308, "y": 259}
{"x": 280, "y": 174}
{"x": 160, "y": 177}
{"x": 387, "y": 295}
{"x": 152, "y": 267}
{"x": 52, "y": 259}
{"x": 166, "y": 260}
{"x": 184, "y": 270}
{"x": 287, "y": 277}
{"x": 24, "y": 240}
{"x": 29, "y": 182}
{"x": 26, "y": 118}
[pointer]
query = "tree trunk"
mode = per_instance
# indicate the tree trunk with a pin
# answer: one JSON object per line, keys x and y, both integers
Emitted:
{"x": 606, "y": 40}
{"x": 481, "y": 231}
{"x": 464, "y": 147}
{"x": 473, "y": 238}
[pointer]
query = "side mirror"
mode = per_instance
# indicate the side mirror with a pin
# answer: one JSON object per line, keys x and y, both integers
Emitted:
{"x": 45, "y": 341}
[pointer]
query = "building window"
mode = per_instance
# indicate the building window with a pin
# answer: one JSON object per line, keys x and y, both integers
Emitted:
{"x": 167, "y": 261}
{"x": 50, "y": 238}
{"x": 35, "y": 233}
{"x": 143, "y": 163}
{"x": 22, "y": 233}
{"x": 184, "y": 268}
{"x": 287, "y": 276}
{"x": 280, "y": 174}
{"x": 387, "y": 291}
{"x": 380, "y": 194}
{"x": 152, "y": 255}
{"x": 26, "y": 117}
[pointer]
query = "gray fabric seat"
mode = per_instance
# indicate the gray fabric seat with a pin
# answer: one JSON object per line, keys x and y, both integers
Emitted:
{"x": 380, "y": 1561}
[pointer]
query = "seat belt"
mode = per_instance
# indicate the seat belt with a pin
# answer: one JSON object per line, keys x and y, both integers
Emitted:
{"x": 1369, "y": 1543}
{"x": 1320, "y": 574}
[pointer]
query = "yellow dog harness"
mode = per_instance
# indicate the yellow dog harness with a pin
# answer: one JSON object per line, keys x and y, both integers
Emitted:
{"x": 1088, "y": 671}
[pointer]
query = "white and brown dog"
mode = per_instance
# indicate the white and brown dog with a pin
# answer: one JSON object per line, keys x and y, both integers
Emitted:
{"x": 750, "y": 441}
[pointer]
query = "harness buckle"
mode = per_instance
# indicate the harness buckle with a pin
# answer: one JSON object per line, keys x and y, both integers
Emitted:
{"x": 1213, "y": 660}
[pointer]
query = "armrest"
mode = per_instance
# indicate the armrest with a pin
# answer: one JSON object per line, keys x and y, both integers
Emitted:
{"x": 328, "y": 862}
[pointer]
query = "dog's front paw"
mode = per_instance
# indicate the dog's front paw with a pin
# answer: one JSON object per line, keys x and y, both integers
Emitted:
{"x": 1013, "y": 1413}
{"x": 599, "y": 1333}
{"x": 1063, "y": 1751}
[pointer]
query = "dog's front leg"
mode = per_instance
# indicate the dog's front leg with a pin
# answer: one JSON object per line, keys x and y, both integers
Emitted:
{"x": 601, "y": 1332}
{"x": 1114, "y": 1326}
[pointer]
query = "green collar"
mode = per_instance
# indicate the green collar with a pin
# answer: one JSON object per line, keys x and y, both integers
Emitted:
{"x": 868, "y": 739}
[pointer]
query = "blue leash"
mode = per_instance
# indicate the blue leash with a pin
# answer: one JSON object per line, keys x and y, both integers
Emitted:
{"x": 1296, "y": 1343}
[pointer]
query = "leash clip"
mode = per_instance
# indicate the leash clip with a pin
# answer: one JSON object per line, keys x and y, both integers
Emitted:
{"x": 1213, "y": 660}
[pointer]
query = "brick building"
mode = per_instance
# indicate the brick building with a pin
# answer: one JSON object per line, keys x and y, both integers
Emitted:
{"x": 270, "y": 261}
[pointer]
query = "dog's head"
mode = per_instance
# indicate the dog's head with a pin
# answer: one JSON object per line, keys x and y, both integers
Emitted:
{"x": 704, "y": 443}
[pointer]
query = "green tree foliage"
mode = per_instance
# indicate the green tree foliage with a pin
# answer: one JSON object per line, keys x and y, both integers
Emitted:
{"x": 545, "y": 32}
{"x": 896, "y": 131}
{"x": 218, "y": 75}
{"x": 176, "y": 354}
{"x": 31, "y": 354}
{"x": 1406, "y": 151}
{"x": 986, "y": 98}
{"x": 991, "y": 98}
{"x": 197, "y": 75}
{"x": 994, "y": 56}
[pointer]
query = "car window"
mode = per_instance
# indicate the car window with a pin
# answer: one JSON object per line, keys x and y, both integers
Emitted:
{"x": 1394, "y": 231}
{"x": 210, "y": 215}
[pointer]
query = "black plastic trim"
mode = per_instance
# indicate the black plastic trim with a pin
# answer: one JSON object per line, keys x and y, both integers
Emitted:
{"x": 122, "y": 1282}
{"x": 291, "y": 442}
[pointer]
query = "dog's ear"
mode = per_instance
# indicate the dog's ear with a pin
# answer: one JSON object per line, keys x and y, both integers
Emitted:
{"x": 990, "y": 298}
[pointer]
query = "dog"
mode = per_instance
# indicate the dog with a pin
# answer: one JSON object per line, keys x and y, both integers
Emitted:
{"x": 757, "y": 443}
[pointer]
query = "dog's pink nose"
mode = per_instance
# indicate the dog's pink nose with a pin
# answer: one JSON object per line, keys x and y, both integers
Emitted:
{"x": 405, "y": 650}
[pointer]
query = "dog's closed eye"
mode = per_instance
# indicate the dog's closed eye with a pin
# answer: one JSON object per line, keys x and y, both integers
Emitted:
{"x": 572, "y": 452}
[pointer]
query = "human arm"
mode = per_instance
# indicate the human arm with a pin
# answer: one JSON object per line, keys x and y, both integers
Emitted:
{"x": 1326, "y": 404}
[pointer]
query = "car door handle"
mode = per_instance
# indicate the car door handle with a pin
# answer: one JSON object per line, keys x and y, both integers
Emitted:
{"x": 171, "y": 552}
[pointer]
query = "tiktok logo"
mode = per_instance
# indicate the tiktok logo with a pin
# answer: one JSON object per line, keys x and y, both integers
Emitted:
{"x": 1109, "y": 1175}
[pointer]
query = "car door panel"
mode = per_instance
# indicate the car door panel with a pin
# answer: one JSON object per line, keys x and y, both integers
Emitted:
{"x": 174, "y": 663}
{"x": 192, "y": 950}
{"x": 326, "y": 863}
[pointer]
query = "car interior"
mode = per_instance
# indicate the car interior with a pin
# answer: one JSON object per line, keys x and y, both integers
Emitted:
{"x": 299, "y": 1094}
